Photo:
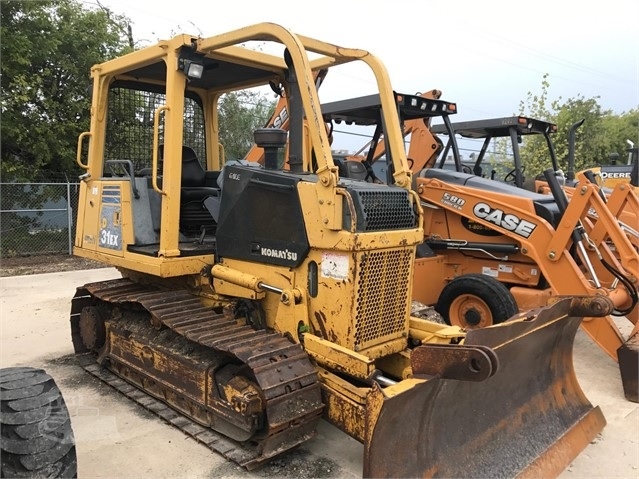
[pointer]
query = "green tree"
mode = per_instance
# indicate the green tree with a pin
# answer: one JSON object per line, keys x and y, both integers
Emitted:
{"x": 591, "y": 142}
{"x": 240, "y": 114}
{"x": 534, "y": 149}
{"x": 48, "y": 48}
{"x": 602, "y": 133}
{"x": 620, "y": 129}
{"x": 536, "y": 105}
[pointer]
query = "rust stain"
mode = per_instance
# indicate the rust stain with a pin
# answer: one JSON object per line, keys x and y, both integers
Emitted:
{"x": 320, "y": 319}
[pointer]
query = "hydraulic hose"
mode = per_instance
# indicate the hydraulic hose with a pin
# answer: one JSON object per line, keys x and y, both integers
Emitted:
{"x": 632, "y": 290}
{"x": 579, "y": 235}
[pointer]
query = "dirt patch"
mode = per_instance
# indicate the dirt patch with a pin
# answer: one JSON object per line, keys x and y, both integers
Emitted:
{"x": 23, "y": 265}
{"x": 298, "y": 463}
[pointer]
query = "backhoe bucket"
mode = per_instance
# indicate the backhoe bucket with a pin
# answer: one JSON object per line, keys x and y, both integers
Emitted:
{"x": 527, "y": 418}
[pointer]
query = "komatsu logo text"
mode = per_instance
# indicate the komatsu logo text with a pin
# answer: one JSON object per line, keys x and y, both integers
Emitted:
{"x": 507, "y": 221}
{"x": 279, "y": 253}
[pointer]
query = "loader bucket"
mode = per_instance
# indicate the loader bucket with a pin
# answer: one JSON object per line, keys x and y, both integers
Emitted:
{"x": 530, "y": 418}
{"x": 628, "y": 355}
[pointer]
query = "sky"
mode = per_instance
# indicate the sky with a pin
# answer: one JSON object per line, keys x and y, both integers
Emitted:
{"x": 484, "y": 56}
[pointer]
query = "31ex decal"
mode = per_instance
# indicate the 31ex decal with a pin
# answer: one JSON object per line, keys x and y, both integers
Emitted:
{"x": 507, "y": 221}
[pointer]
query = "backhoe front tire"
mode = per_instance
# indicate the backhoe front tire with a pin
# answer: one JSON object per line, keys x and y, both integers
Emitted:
{"x": 36, "y": 439}
{"x": 475, "y": 301}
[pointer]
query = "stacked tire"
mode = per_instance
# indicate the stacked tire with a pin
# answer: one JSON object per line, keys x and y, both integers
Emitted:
{"x": 36, "y": 438}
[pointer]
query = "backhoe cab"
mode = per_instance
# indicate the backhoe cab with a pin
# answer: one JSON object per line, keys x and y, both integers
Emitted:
{"x": 490, "y": 130}
{"x": 257, "y": 298}
{"x": 618, "y": 192}
{"x": 517, "y": 128}
{"x": 415, "y": 113}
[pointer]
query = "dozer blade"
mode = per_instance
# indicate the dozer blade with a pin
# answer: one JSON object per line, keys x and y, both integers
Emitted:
{"x": 527, "y": 417}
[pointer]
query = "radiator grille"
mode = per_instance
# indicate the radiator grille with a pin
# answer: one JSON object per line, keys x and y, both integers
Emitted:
{"x": 380, "y": 209}
{"x": 382, "y": 296}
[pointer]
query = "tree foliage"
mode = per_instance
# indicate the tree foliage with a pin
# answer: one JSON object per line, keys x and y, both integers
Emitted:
{"x": 601, "y": 135}
{"x": 536, "y": 105}
{"x": 48, "y": 48}
{"x": 591, "y": 144}
{"x": 619, "y": 130}
{"x": 240, "y": 114}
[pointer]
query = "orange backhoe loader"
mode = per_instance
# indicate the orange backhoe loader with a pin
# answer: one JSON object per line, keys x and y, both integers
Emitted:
{"x": 621, "y": 201}
{"x": 424, "y": 147}
{"x": 255, "y": 299}
{"x": 533, "y": 244}
{"x": 618, "y": 190}
{"x": 492, "y": 249}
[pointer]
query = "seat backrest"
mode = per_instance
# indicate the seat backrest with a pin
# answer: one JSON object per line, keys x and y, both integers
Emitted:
{"x": 193, "y": 174}
{"x": 352, "y": 169}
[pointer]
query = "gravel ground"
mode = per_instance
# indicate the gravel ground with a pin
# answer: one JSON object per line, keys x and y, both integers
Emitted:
{"x": 114, "y": 438}
{"x": 52, "y": 263}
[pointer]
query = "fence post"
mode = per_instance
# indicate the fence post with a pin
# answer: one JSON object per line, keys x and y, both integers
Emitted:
{"x": 69, "y": 216}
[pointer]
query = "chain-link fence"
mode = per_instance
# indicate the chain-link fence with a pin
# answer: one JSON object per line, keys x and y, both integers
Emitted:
{"x": 37, "y": 218}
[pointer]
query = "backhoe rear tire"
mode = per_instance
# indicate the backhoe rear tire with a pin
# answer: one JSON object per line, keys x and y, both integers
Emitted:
{"x": 37, "y": 439}
{"x": 475, "y": 301}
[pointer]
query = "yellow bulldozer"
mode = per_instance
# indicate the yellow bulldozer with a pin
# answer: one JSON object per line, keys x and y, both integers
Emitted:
{"x": 257, "y": 299}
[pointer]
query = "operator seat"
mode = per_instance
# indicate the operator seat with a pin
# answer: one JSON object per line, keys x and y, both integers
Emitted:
{"x": 195, "y": 187}
{"x": 353, "y": 169}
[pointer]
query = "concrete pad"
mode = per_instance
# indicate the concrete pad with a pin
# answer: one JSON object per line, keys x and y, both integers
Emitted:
{"x": 116, "y": 438}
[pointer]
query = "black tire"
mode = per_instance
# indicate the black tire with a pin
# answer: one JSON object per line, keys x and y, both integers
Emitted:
{"x": 37, "y": 439}
{"x": 475, "y": 301}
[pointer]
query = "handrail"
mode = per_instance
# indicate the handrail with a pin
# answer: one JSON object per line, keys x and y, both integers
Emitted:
{"x": 78, "y": 159}
{"x": 156, "y": 141}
